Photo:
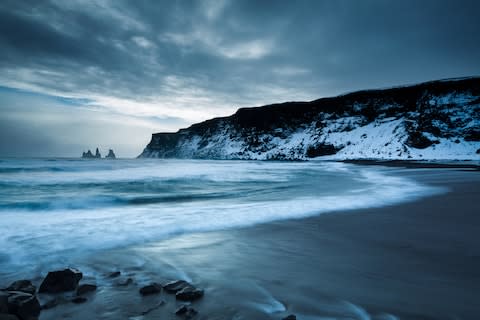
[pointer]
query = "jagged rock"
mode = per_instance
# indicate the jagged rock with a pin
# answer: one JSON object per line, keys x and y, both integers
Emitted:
{"x": 153, "y": 288}
{"x": 418, "y": 140}
{"x": 175, "y": 286}
{"x": 290, "y": 317}
{"x": 60, "y": 281}
{"x": 23, "y": 286}
{"x": 85, "y": 288}
{"x": 88, "y": 155}
{"x": 24, "y": 305}
{"x": 97, "y": 154}
{"x": 3, "y": 302}
{"x": 79, "y": 300}
{"x": 110, "y": 155}
{"x": 189, "y": 293}
{"x": 321, "y": 150}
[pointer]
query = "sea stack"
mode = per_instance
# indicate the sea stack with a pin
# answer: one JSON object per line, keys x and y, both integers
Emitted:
{"x": 97, "y": 154}
{"x": 88, "y": 154}
{"x": 110, "y": 155}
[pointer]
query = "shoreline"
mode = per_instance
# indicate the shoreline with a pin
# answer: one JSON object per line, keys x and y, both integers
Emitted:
{"x": 410, "y": 260}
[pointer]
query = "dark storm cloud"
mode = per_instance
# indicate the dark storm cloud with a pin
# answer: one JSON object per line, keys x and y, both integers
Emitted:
{"x": 192, "y": 60}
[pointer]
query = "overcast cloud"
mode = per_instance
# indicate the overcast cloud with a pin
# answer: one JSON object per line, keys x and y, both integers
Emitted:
{"x": 125, "y": 69}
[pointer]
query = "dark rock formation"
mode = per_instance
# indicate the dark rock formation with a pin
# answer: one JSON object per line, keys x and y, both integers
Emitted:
{"x": 290, "y": 317}
{"x": 61, "y": 281}
{"x": 189, "y": 293}
{"x": 97, "y": 154}
{"x": 110, "y": 155}
{"x": 7, "y": 316}
{"x": 85, "y": 288}
{"x": 396, "y": 123}
{"x": 153, "y": 288}
{"x": 23, "y": 305}
{"x": 22, "y": 286}
{"x": 175, "y": 286}
{"x": 88, "y": 155}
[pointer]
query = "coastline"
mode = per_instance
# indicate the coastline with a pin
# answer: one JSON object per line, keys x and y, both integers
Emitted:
{"x": 413, "y": 260}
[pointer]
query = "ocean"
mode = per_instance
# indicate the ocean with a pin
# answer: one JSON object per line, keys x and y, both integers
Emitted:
{"x": 323, "y": 240}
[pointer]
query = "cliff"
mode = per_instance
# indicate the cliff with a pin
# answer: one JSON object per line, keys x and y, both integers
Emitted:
{"x": 432, "y": 120}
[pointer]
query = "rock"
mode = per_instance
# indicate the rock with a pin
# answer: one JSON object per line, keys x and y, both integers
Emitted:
{"x": 181, "y": 310}
{"x": 97, "y": 154}
{"x": 85, "y": 288}
{"x": 87, "y": 155}
{"x": 189, "y": 293}
{"x": 153, "y": 288}
{"x": 24, "y": 305}
{"x": 290, "y": 317}
{"x": 79, "y": 300}
{"x": 60, "y": 281}
{"x": 175, "y": 286}
{"x": 114, "y": 274}
{"x": 6, "y": 316}
{"x": 3, "y": 302}
{"x": 22, "y": 286}
{"x": 110, "y": 155}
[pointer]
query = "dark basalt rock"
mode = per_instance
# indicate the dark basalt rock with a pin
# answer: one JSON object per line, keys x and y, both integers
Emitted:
{"x": 478, "y": 151}
{"x": 88, "y": 155}
{"x": 97, "y": 154}
{"x": 189, "y": 293}
{"x": 61, "y": 281}
{"x": 78, "y": 300}
{"x": 153, "y": 288}
{"x": 110, "y": 155}
{"x": 85, "y": 288}
{"x": 175, "y": 286}
{"x": 418, "y": 140}
{"x": 321, "y": 150}
{"x": 24, "y": 305}
{"x": 22, "y": 286}
{"x": 290, "y": 317}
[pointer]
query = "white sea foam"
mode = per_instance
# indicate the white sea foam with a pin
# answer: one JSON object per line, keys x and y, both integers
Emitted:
{"x": 69, "y": 213}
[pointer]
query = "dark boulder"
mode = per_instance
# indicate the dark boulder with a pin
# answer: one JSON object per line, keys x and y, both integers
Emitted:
{"x": 290, "y": 317}
{"x": 24, "y": 305}
{"x": 22, "y": 286}
{"x": 181, "y": 310}
{"x": 85, "y": 288}
{"x": 189, "y": 293}
{"x": 153, "y": 288}
{"x": 175, "y": 286}
{"x": 61, "y": 281}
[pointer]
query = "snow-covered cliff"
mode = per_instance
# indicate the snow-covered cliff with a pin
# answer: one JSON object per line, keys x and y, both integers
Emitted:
{"x": 433, "y": 120}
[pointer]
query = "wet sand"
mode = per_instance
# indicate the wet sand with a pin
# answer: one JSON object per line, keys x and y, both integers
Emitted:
{"x": 418, "y": 260}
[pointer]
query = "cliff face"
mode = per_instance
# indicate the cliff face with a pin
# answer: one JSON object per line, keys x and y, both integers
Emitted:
{"x": 433, "y": 120}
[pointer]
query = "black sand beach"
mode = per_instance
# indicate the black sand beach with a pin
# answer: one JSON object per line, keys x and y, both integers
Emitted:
{"x": 419, "y": 260}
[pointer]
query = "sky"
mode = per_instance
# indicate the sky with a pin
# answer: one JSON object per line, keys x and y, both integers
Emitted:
{"x": 76, "y": 74}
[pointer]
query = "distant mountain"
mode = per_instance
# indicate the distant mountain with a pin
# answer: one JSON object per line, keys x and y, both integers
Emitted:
{"x": 432, "y": 120}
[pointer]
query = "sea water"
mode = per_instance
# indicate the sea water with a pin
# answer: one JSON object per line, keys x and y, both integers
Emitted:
{"x": 53, "y": 210}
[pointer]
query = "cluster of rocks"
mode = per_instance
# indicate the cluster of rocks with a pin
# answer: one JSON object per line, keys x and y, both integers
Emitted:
{"x": 19, "y": 300}
{"x": 98, "y": 155}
